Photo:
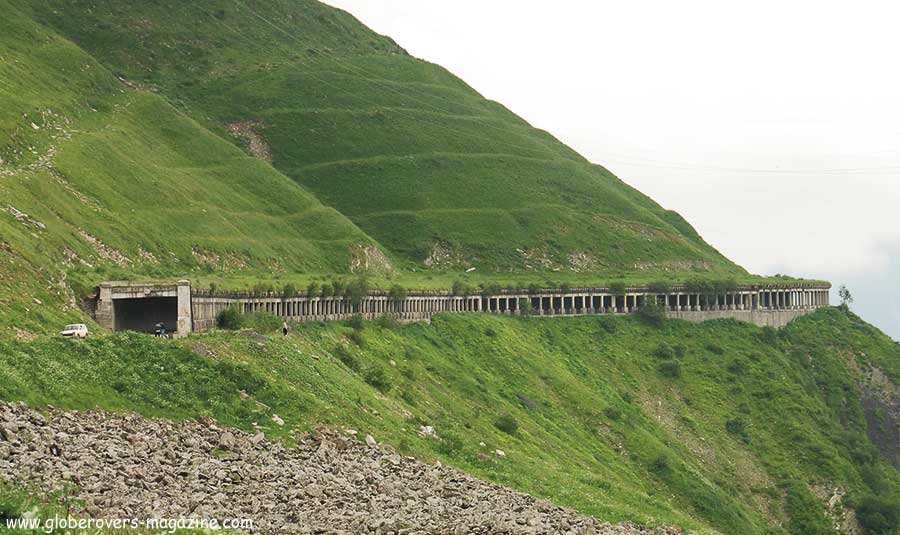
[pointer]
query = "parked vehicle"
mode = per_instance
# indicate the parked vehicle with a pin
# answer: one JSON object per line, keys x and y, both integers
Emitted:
{"x": 76, "y": 330}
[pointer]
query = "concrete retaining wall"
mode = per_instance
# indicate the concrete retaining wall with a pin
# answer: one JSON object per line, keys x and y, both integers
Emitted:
{"x": 763, "y": 318}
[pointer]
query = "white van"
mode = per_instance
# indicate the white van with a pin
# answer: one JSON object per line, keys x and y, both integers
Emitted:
{"x": 76, "y": 330}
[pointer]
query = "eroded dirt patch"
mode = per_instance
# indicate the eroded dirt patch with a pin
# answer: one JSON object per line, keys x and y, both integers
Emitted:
{"x": 368, "y": 259}
{"x": 105, "y": 251}
{"x": 248, "y": 133}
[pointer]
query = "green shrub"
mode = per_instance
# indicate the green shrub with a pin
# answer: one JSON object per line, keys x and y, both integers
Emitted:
{"x": 737, "y": 428}
{"x": 449, "y": 444}
{"x": 407, "y": 396}
{"x": 357, "y": 290}
{"x": 715, "y": 348}
{"x": 659, "y": 287}
{"x": 357, "y": 322}
{"x": 609, "y": 324}
{"x": 664, "y": 351}
{"x": 806, "y": 512}
{"x": 289, "y": 291}
{"x": 230, "y": 319}
{"x": 262, "y": 322}
{"x": 397, "y": 293}
{"x": 313, "y": 290}
{"x": 671, "y": 369}
{"x": 461, "y": 288}
{"x": 652, "y": 313}
{"x": 526, "y": 401}
{"x": 660, "y": 464}
{"x": 357, "y": 338}
{"x": 534, "y": 288}
{"x": 507, "y": 424}
{"x": 879, "y": 515}
{"x": 618, "y": 289}
{"x": 378, "y": 379}
{"x": 490, "y": 289}
{"x": 262, "y": 288}
{"x": 337, "y": 287}
{"x": 344, "y": 355}
{"x": 11, "y": 506}
{"x": 386, "y": 321}
{"x": 769, "y": 335}
{"x": 613, "y": 413}
{"x": 737, "y": 368}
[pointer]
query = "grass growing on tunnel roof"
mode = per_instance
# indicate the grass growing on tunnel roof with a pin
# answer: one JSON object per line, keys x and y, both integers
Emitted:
{"x": 755, "y": 422}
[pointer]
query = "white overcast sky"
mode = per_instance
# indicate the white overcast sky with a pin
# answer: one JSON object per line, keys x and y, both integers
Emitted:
{"x": 772, "y": 126}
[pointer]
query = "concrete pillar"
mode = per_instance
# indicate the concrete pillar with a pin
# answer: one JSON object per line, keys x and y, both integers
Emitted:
{"x": 184, "y": 324}
{"x": 105, "y": 315}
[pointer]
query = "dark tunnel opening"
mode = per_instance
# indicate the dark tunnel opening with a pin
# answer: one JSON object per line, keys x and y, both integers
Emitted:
{"x": 142, "y": 315}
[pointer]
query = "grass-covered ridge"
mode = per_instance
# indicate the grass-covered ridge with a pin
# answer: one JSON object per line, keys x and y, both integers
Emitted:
{"x": 439, "y": 176}
{"x": 719, "y": 426}
{"x": 102, "y": 180}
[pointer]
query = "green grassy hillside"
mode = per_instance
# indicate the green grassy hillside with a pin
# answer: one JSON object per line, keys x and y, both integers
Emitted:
{"x": 99, "y": 180}
{"x": 440, "y": 177}
{"x": 721, "y": 427}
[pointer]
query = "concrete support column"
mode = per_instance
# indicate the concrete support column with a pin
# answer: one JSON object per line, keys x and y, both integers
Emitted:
{"x": 184, "y": 322}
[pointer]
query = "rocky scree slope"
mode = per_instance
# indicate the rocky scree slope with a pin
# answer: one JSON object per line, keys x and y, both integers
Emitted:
{"x": 126, "y": 466}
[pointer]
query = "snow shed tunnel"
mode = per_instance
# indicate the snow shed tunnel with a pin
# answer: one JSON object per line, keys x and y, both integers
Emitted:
{"x": 139, "y": 306}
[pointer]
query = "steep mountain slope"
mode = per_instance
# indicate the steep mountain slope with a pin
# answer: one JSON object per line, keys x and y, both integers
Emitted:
{"x": 99, "y": 180}
{"x": 435, "y": 173}
{"x": 722, "y": 426}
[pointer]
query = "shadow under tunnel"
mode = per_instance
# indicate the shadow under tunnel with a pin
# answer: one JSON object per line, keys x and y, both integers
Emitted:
{"x": 142, "y": 315}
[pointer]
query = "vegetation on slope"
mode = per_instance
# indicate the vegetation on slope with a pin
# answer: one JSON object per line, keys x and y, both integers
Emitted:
{"x": 100, "y": 181}
{"x": 439, "y": 176}
{"x": 720, "y": 426}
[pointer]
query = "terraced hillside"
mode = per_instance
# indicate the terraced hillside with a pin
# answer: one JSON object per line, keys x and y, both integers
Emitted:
{"x": 440, "y": 177}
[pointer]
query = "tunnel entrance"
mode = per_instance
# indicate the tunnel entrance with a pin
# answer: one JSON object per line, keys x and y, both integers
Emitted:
{"x": 142, "y": 314}
{"x": 139, "y": 306}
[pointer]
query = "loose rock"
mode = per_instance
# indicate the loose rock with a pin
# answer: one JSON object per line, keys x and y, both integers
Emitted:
{"x": 127, "y": 466}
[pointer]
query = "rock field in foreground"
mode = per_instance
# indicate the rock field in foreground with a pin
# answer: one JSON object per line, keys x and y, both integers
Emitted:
{"x": 127, "y": 466}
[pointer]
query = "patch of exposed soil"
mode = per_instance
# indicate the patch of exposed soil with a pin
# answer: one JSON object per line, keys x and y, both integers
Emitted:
{"x": 248, "y": 133}
{"x": 24, "y": 218}
{"x": 24, "y": 336}
{"x": 580, "y": 261}
{"x": 222, "y": 262}
{"x": 368, "y": 259}
{"x": 674, "y": 265}
{"x": 538, "y": 259}
{"x": 105, "y": 251}
{"x": 444, "y": 256}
